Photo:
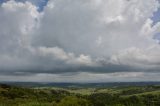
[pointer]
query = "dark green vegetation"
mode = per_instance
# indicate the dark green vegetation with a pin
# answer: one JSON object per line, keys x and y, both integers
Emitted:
{"x": 50, "y": 96}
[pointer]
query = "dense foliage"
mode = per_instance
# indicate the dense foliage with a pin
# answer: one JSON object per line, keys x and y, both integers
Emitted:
{"x": 116, "y": 96}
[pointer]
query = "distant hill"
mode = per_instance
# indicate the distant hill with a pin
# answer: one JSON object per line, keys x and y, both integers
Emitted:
{"x": 81, "y": 85}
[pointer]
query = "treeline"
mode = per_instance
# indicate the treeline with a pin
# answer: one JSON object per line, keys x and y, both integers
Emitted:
{"x": 18, "y": 96}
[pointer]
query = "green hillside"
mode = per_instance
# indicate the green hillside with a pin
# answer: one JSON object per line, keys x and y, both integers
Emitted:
{"x": 52, "y": 96}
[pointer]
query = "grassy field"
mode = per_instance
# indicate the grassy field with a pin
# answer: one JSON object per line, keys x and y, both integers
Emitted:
{"x": 72, "y": 96}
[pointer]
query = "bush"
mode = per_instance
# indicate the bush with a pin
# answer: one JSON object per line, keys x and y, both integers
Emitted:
{"x": 73, "y": 101}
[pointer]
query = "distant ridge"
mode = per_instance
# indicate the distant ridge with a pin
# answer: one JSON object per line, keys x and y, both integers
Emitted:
{"x": 81, "y": 85}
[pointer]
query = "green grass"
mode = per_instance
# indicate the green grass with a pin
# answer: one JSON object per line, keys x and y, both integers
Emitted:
{"x": 145, "y": 93}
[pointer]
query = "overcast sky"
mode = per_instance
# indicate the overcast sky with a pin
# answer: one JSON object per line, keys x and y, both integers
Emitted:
{"x": 79, "y": 40}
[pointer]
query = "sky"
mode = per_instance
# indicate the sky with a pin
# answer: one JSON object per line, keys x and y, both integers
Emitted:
{"x": 80, "y": 40}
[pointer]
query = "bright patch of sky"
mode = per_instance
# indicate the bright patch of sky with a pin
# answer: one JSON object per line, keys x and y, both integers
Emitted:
{"x": 156, "y": 17}
{"x": 1, "y": 1}
{"x": 39, "y": 3}
{"x": 157, "y": 36}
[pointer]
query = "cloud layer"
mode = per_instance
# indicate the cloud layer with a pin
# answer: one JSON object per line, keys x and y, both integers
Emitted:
{"x": 86, "y": 36}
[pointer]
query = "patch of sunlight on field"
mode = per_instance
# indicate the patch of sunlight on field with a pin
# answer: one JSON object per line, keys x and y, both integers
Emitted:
{"x": 85, "y": 91}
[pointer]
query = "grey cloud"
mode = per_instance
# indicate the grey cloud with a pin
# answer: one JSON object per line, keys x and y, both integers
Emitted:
{"x": 85, "y": 77}
{"x": 94, "y": 36}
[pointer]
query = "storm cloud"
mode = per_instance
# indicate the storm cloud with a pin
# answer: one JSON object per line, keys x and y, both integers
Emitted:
{"x": 97, "y": 37}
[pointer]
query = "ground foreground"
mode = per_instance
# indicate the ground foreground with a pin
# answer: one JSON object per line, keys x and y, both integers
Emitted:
{"x": 73, "y": 96}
